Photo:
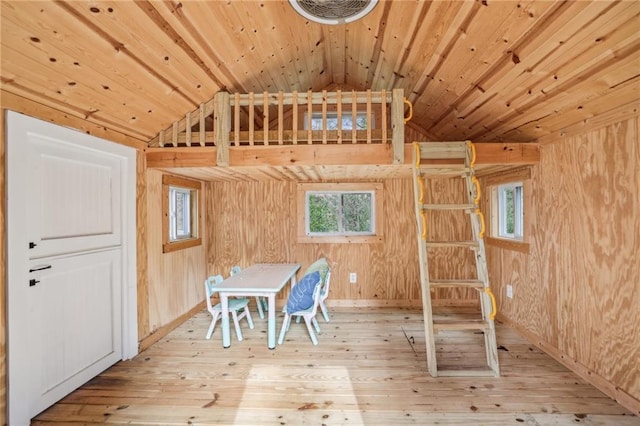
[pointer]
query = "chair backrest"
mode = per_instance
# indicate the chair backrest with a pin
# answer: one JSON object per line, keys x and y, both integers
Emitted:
{"x": 317, "y": 296}
{"x": 235, "y": 269}
{"x": 209, "y": 288}
{"x": 321, "y": 265}
{"x": 325, "y": 285}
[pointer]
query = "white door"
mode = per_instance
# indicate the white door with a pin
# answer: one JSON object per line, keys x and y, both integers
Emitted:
{"x": 70, "y": 261}
{"x": 74, "y": 329}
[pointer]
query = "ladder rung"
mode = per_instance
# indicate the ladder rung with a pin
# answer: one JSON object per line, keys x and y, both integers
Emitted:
{"x": 436, "y": 244}
{"x": 443, "y": 150}
{"x": 466, "y": 373}
{"x": 460, "y": 325}
{"x": 456, "y": 283}
{"x": 441, "y": 171}
{"x": 449, "y": 206}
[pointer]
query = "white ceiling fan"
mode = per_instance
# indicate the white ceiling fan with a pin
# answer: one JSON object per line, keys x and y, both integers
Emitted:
{"x": 333, "y": 12}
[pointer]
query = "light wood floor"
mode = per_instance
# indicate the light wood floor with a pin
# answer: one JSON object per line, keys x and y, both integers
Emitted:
{"x": 368, "y": 369}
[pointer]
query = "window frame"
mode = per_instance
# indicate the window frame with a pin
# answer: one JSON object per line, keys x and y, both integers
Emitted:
{"x": 377, "y": 217}
{"x": 518, "y": 210}
{"x": 520, "y": 176}
{"x": 170, "y": 184}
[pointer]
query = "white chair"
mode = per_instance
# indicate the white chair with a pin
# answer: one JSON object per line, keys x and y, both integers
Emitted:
{"x": 260, "y": 301}
{"x": 322, "y": 265}
{"x": 324, "y": 293}
{"x": 235, "y": 305}
{"x": 309, "y": 316}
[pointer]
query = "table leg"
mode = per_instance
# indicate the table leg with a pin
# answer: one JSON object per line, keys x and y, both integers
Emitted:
{"x": 271, "y": 321}
{"x": 226, "y": 338}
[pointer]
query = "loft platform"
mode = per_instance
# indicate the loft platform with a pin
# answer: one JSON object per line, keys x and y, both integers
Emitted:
{"x": 295, "y": 136}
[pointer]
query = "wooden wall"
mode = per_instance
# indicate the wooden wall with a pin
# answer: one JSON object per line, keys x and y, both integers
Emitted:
{"x": 175, "y": 280}
{"x": 577, "y": 293}
{"x": 252, "y": 222}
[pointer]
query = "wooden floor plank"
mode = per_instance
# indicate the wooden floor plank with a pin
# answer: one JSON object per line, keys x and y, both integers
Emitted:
{"x": 368, "y": 369}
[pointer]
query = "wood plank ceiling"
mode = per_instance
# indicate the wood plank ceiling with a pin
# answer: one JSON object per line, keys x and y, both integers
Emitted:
{"x": 481, "y": 70}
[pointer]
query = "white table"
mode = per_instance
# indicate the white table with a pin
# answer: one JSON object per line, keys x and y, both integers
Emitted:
{"x": 262, "y": 279}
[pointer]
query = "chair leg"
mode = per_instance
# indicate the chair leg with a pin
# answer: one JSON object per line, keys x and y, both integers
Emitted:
{"x": 315, "y": 324}
{"x": 325, "y": 312}
{"x": 213, "y": 324}
{"x": 260, "y": 311}
{"x": 236, "y": 323}
{"x": 307, "y": 321}
{"x": 285, "y": 327}
{"x": 248, "y": 315}
{"x": 265, "y": 304}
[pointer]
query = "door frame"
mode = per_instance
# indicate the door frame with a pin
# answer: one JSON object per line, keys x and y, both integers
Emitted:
{"x": 17, "y": 251}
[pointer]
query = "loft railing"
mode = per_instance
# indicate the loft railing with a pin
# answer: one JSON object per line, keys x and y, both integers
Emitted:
{"x": 291, "y": 119}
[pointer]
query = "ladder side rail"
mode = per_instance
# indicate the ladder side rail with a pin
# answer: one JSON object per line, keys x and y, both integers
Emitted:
{"x": 424, "y": 268}
{"x": 491, "y": 348}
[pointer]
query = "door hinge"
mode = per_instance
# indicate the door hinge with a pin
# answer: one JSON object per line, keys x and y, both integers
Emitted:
{"x": 33, "y": 282}
{"x": 32, "y": 244}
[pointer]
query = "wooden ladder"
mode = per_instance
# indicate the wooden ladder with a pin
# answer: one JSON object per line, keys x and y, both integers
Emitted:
{"x": 439, "y": 160}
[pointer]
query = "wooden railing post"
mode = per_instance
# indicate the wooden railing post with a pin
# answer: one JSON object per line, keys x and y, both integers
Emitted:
{"x": 397, "y": 125}
{"x": 222, "y": 123}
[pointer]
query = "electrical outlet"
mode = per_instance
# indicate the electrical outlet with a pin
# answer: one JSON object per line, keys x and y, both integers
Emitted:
{"x": 509, "y": 291}
{"x": 353, "y": 278}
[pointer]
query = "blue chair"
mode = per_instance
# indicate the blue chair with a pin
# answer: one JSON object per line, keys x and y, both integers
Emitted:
{"x": 235, "y": 306}
{"x": 260, "y": 301}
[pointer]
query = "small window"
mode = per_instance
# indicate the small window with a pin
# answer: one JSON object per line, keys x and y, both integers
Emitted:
{"x": 510, "y": 211}
{"x": 181, "y": 209}
{"x": 332, "y": 121}
{"x": 340, "y": 212}
{"x": 508, "y": 208}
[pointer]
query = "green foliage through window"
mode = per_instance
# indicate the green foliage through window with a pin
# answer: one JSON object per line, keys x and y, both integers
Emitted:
{"x": 340, "y": 213}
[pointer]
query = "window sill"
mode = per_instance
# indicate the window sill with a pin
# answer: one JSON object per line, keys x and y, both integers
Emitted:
{"x": 520, "y": 246}
{"x": 180, "y": 245}
{"x": 369, "y": 239}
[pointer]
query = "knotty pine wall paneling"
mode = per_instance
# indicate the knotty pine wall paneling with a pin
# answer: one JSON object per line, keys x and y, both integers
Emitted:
{"x": 252, "y": 222}
{"x": 577, "y": 293}
{"x": 175, "y": 279}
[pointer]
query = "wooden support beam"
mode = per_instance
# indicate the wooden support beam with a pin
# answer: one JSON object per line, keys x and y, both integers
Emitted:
{"x": 222, "y": 127}
{"x": 397, "y": 126}
{"x": 312, "y": 155}
{"x": 182, "y": 157}
{"x": 495, "y": 153}
{"x": 487, "y": 153}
